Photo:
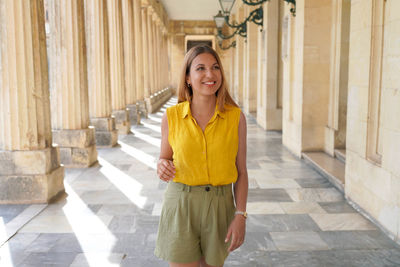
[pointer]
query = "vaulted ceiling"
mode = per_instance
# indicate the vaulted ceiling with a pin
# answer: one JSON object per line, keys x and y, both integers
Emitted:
{"x": 191, "y": 9}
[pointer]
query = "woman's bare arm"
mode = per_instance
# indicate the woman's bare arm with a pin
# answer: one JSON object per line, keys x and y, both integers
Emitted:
{"x": 237, "y": 229}
{"x": 165, "y": 167}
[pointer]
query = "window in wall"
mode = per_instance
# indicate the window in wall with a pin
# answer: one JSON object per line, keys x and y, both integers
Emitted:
{"x": 191, "y": 43}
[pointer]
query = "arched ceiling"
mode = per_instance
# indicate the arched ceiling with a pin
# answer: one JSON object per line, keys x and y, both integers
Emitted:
{"x": 191, "y": 9}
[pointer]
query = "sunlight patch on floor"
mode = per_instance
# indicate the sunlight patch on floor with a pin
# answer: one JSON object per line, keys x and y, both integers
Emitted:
{"x": 156, "y": 128}
{"x": 147, "y": 138}
{"x": 154, "y": 118}
{"x": 139, "y": 155}
{"x": 5, "y": 255}
{"x": 130, "y": 187}
{"x": 81, "y": 226}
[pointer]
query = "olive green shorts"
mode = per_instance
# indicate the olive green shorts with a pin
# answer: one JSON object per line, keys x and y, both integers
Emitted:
{"x": 194, "y": 223}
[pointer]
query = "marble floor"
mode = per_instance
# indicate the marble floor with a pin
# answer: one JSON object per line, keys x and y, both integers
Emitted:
{"x": 109, "y": 214}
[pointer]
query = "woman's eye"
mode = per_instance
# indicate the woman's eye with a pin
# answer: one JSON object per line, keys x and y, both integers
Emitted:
{"x": 216, "y": 67}
{"x": 200, "y": 68}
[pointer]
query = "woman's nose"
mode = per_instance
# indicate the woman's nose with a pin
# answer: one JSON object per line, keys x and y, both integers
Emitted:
{"x": 209, "y": 73}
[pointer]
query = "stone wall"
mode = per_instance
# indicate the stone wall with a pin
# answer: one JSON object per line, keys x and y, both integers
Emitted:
{"x": 373, "y": 115}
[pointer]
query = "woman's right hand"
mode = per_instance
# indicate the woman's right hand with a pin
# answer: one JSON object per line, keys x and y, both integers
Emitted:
{"x": 165, "y": 169}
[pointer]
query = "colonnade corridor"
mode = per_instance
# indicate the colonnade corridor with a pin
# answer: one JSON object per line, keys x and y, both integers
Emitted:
{"x": 109, "y": 214}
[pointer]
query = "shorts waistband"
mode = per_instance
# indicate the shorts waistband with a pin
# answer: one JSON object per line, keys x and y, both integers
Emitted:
{"x": 220, "y": 189}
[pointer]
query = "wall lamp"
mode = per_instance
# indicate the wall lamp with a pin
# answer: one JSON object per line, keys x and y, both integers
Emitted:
{"x": 256, "y": 16}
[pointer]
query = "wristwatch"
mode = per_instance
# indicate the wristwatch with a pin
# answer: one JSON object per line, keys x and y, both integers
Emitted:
{"x": 244, "y": 213}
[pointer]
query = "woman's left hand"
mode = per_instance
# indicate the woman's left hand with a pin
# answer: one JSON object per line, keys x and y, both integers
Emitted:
{"x": 236, "y": 232}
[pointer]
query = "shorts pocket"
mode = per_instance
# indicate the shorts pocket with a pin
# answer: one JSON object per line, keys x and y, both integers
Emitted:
{"x": 171, "y": 199}
{"x": 169, "y": 211}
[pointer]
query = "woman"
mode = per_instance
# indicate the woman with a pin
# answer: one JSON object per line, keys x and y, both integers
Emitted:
{"x": 203, "y": 152}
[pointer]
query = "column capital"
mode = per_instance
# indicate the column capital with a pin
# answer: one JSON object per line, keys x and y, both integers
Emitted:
{"x": 144, "y": 3}
{"x": 150, "y": 10}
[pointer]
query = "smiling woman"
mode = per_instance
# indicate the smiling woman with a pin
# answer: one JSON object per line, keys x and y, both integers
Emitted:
{"x": 203, "y": 154}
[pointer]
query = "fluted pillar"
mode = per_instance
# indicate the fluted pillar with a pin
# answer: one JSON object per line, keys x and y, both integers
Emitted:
{"x": 158, "y": 55}
{"x": 150, "y": 36}
{"x": 239, "y": 63}
{"x": 269, "y": 111}
{"x": 117, "y": 72}
{"x": 146, "y": 70}
{"x": 250, "y": 85}
{"x": 163, "y": 52}
{"x": 30, "y": 169}
{"x": 137, "y": 10}
{"x": 98, "y": 66}
{"x": 68, "y": 84}
{"x": 166, "y": 62}
{"x": 129, "y": 60}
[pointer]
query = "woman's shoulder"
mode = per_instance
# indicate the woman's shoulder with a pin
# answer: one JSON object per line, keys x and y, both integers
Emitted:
{"x": 178, "y": 108}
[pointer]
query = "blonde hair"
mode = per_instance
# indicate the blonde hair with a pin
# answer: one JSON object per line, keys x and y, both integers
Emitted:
{"x": 185, "y": 93}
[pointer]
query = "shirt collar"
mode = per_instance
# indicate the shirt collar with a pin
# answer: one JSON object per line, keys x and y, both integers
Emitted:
{"x": 186, "y": 111}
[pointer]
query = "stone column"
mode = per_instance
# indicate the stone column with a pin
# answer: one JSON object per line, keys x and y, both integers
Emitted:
{"x": 98, "y": 66}
{"x": 69, "y": 84}
{"x": 145, "y": 53}
{"x": 306, "y": 88}
{"x": 30, "y": 169}
{"x": 162, "y": 58}
{"x": 150, "y": 36}
{"x": 269, "y": 115}
{"x": 239, "y": 63}
{"x": 129, "y": 60}
{"x": 137, "y": 9}
{"x": 118, "y": 91}
{"x": 157, "y": 54}
{"x": 250, "y": 87}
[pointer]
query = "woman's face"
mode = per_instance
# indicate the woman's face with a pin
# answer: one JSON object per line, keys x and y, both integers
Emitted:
{"x": 204, "y": 75}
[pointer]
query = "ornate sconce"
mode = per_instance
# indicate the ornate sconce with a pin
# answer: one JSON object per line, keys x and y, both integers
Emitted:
{"x": 256, "y": 16}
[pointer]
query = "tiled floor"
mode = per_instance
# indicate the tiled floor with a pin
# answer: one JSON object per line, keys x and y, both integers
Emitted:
{"x": 109, "y": 216}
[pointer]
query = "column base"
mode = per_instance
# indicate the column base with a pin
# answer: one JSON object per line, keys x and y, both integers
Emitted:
{"x": 149, "y": 104}
{"x": 77, "y": 147}
{"x": 155, "y": 101}
{"x": 134, "y": 114}
{"x": 30, "y": 177}
{"x": 122, "y": 122}
{"x": 105, "y": 133}
{"x": 142, "y": 109}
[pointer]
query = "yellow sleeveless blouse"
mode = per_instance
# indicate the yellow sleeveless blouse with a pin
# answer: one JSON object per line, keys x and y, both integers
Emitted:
{"x": 207, "y": 157}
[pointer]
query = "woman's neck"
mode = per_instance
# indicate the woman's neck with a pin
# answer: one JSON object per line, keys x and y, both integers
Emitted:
{"x": 203, "y": 105}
